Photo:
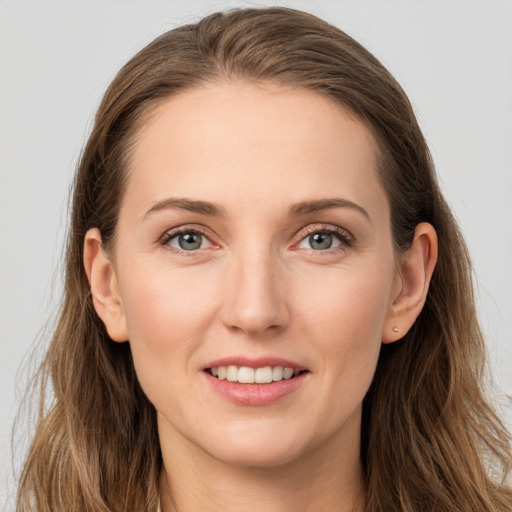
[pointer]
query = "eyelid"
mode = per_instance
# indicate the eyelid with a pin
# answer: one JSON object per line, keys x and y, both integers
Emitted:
{"x": 346, "y": 238}
{"x": 186, "y": 228}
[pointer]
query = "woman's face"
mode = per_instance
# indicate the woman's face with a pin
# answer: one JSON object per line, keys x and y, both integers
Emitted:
{"x": 254, "y": 236}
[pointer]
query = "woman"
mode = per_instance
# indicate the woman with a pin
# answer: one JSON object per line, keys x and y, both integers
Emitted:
{"x": 267, "y": 302}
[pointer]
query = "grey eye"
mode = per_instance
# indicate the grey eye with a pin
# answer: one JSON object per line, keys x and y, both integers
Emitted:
{"x": 320, "y": 241}
{"x": 188, "y": 241}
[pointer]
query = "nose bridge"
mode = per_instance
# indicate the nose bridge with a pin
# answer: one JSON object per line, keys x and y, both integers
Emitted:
{"x": 255, "y": 300}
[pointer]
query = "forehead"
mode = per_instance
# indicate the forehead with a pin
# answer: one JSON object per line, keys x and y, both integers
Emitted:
{"x": 249, "y": 143}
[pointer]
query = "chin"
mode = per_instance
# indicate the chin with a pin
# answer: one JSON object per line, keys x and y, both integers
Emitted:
{"x": 258, "y": 458}
{"x": 259, "y": 451}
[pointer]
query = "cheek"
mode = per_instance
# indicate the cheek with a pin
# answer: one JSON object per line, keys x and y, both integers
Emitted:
{"x": 167, "y": 315}
{"x": 336, "y": 316}
{"x": 344, "y": 314}
{"x": 351, "y": 301}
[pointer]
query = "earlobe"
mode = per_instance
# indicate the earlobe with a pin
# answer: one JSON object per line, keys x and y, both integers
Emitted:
{"x": 105, "y": 292}
{"x": 416, "y": 268}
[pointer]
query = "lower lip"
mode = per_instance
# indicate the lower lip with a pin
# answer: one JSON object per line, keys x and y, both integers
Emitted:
{"x": 255, "y": 394}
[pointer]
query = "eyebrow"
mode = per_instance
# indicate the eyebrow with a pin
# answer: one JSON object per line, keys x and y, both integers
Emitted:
{"x": 202, "y": 207}
{"x": 215, "y": 210}
{"x": 306, "y": 207}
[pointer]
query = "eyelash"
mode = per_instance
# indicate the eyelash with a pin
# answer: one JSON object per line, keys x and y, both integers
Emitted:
{"x": 167, "y": 237}
{"x": 344, "y": 237}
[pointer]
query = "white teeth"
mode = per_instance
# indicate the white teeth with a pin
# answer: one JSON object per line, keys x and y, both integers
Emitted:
{"x": 247, "y": 375}
{"x": 277, "y": 373}
{"x": 288, "y": 373}
{"x": 232, "y": 373}
{"x": 263, "y": 375}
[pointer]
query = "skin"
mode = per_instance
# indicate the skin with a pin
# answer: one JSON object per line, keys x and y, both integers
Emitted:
{"x": 257, "y": 287}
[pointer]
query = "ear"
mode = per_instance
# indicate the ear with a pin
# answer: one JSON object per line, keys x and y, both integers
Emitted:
{"x": 106, "y": 296}
{"x": 416, "y": 266}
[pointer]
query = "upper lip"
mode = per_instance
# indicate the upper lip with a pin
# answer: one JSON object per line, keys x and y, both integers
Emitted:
{"x": 255, "y": 362}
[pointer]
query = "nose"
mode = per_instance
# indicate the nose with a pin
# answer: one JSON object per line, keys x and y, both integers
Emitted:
{"x": 255, "y": 301}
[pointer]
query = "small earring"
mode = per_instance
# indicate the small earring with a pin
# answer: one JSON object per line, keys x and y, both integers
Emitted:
{"x": 395, "y": 329}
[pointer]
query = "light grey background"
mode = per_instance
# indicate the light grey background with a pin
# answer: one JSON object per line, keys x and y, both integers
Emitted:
{"x": 454, "y": 59}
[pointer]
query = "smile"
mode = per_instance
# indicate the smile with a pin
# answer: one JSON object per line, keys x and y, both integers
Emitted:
{"x": 248, "y": 375}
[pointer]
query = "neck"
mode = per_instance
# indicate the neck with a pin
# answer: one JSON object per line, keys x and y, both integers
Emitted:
{"x": 322, "y": 479}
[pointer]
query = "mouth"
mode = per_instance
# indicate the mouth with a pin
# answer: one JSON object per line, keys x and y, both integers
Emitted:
{"x": 248, "y": 375}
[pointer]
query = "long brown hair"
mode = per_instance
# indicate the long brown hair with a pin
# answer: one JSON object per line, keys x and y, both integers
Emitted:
{"x": 430, "y": 440}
